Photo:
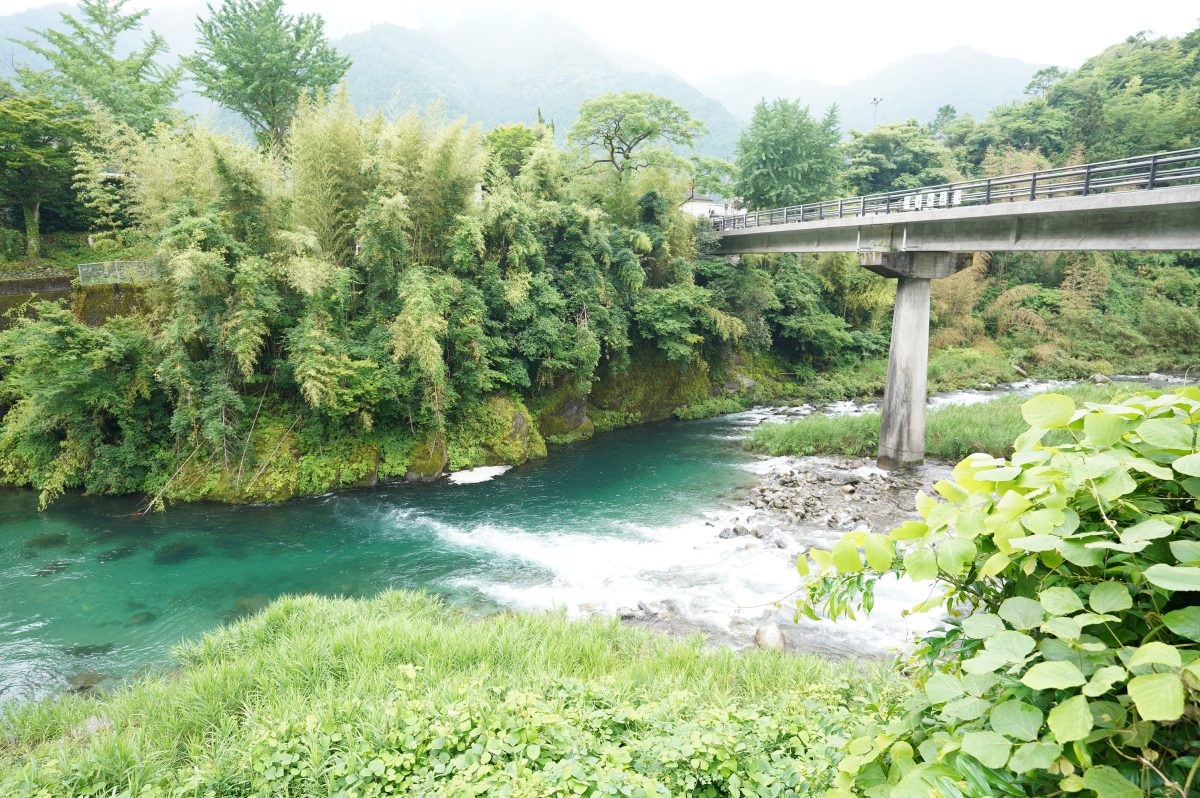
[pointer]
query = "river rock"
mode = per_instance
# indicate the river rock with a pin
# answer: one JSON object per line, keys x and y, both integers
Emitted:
{"x": 1099, "y": 379}
{"x": 119, "y": 553}
{"x": 85, "y": 682}
{"x": 48, "y": 540}
{"x": 1156, "y": 377}
{"x": 770, "y": 636}
{"x": 630, "y": 614}
{"x": 53, "y": 567}
{"x": 88, "y": 650}
{"x": 95, "y": 724}
{"x": 177, "y": 552}
{"x": 140, "y": 618}
{"x": 247, "y": 605}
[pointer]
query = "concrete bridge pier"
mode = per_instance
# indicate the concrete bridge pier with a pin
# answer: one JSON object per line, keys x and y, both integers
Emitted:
{"x": 902, "y": 429}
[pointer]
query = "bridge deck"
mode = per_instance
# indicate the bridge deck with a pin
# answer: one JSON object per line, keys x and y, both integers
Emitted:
{"x": 1146, "y": 203}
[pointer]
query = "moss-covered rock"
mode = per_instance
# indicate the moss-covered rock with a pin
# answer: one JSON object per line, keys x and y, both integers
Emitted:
{"x": 429, "y": 458}
{"x": 563, "y": 416}
{"x": 651, "y": 388}
{"x": 497, "y": 431}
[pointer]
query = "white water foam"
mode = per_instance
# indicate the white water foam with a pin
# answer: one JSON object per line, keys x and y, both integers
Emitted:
{"x": 470, "y": 476}
{"x": 722, "y": 585}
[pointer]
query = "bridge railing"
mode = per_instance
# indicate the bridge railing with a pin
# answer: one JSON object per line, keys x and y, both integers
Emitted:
{"x": 116, "y": 272}
{"x": 1143, "y": 172}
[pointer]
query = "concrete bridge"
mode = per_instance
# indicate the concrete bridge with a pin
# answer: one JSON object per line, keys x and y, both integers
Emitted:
{"x": 1147, "y": 203}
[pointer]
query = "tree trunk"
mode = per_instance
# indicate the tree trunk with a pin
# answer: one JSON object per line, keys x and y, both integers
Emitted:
{"x": 33, "y": 234}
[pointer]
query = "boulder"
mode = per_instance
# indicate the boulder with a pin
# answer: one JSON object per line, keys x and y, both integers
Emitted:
{"x": 770, "y": 636}
{"x": 428, "y": 459}
{"x": 1099, "y": 379}
{"x": 177, "y": 552}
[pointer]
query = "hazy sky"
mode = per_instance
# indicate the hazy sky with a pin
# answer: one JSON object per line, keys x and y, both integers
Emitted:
{"x": 828, "y": 40}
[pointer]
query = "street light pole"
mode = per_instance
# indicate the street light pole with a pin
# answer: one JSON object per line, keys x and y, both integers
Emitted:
{"x": 875, "y": 101}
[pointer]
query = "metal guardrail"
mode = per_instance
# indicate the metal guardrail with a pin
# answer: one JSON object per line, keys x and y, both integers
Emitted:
{"x": 1160, "y": 170}
{"x": 116, "y": 272}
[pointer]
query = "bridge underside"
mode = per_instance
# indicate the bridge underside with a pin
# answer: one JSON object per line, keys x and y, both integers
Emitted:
{"x": 1164, "y": 219}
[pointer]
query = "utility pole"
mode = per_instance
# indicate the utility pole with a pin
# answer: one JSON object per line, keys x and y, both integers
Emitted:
{"x": 875, "y": 101}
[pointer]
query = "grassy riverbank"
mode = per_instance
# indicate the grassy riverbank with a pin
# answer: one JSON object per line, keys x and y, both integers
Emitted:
{"x": 402, "y": 695}
{"x": 951, "y": 432}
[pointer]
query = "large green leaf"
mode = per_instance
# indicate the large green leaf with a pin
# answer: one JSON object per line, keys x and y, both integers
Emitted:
{"x": 1060, "y": 601}
{"x": 1176, "y": 578}
{"x": 1071, "y": 720}
{"x": 988, "y": 747}
{"x": 982, "y": 625}
{"x": 942, "y": 687}
{"x": 1103, "y": 680}
{"x": 1104, "y": 429}
{"x": 1017, "y": 719}
{"x": 1156, "y": 653}
{"x": 1053, "y": 676}
{"x": 1011, "y": 646}
{"x": 1157, "y": 696}
{"x": 1109, "y": 597}
{"x": 1107, "y": 782}
{"x": 1184, "y": 622}
{"x": 880, "y": 552}
{"x": 953, "y": 554}
{"x": 1021, "y": 612}
{"x": 1189, "y": 465}
{"x": 1165, "y": 433}
{"x": 1048, "y": 410}
{"x": 920, "y": 564}
{"x": 1034, "y": 756}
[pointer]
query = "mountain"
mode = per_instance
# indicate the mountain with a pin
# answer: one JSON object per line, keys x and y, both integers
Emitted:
{"x": 507, "y": 66}
{"x": 971, "y": 80}
{"x": 502, "y": 65}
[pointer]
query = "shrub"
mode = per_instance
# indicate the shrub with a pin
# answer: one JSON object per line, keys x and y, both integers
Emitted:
{"x": 1068, "y": 661}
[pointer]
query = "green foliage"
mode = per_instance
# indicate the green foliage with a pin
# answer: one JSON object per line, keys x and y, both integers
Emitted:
{"x": 36, "y": 137}
{"x": 401, "y": 695}
{"x": 785, "y": 157}
{"x": 1068, "y": 659}
{"x": 85, "y": 69}
{"x": 620, "y": 129}
{"x": 257, "y": 61}
{"x": 511, "y": 146}
{"x": 894, "y": 157}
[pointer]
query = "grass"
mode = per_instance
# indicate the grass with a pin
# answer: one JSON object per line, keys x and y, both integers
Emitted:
{"x": 951, "y": 432}
{"x": 401, "y": 694}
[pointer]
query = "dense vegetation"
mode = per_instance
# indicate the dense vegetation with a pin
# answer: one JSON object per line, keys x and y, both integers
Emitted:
{"x": 400, "y": 695}
{"x": 1067, "y": 662}
{"x": 362, "y": 297}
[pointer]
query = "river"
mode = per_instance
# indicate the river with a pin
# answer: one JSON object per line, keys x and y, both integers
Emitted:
{"x": 91, "y": 593}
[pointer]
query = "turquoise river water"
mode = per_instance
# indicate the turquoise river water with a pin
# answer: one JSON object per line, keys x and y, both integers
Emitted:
{"x": 89, "y": 588}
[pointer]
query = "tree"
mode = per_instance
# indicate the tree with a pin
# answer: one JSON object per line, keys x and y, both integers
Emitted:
{"x": 619, "y": 129}
{"x": 256, "y": 60}
{"x": 896, "y": 157}
{"x": 785, "y": 157}
{"x": 36, "y": 136}
{"x": 1043, "y": 80}
{"x": 84, "y": 66}
{"x": 510, "y": 146}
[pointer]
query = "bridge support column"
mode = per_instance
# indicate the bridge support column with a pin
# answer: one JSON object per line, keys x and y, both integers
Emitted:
{"x": 902, "y": 428}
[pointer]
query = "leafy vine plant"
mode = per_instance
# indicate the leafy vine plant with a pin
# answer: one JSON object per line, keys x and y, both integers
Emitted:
{"x": 1069, "y": 575}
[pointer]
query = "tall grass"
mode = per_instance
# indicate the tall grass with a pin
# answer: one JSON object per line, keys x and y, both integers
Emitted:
{"x": 318, "y": 696}
{"x": 951, "y": 432}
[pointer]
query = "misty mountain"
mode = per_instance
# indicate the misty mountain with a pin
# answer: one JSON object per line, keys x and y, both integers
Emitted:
{"x": 502, "y": 66}
{"x": 499, "y": 67}
{"x": 914, "y": 87}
